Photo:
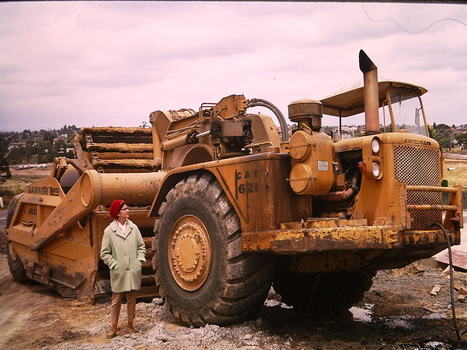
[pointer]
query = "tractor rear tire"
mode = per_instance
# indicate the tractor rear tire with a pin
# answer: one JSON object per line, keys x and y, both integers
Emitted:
{"x": 16, "y": 266}
{"x": 14, "y": 262}
{"x": 323, "y": 293}
{"x": 200, "y": 268}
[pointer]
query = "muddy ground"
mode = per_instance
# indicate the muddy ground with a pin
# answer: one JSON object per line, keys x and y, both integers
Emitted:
{"x": 397, "y": 313}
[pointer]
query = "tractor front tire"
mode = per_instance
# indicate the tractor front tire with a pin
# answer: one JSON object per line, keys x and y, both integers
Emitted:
{"x": 201, "y": 271}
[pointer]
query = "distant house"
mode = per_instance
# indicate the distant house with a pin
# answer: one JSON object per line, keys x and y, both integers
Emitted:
{"x": 63, "y": 137}
{"x": 20, "y": 144}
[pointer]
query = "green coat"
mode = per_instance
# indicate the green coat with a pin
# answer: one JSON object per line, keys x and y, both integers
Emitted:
{"x": 124, "y": 255}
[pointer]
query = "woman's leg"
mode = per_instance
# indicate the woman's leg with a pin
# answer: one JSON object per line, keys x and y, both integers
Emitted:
{"x": 115, "y": 306}
{"x": 131, "y": 308}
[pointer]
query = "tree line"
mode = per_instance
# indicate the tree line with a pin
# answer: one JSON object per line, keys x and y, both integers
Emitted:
{"x": 42, "y": 146}
{"x": 34, "y": 147}
{"x": 450, "y": 137}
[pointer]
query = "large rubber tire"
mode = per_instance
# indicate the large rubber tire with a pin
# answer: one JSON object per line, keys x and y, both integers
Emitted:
{"x": 14, "y": 262}
{"x": 323, "y": 293}
{"x": 202, "y": 272}
{"x": 12, "y": 208}
{"x": 16, "y": 266}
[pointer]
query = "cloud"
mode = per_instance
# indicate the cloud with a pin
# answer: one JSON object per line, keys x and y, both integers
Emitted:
{"x": 112, "y": 63}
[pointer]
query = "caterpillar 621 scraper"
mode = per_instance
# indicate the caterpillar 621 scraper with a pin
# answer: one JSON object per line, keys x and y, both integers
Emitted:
{"x": 230, "y": 205}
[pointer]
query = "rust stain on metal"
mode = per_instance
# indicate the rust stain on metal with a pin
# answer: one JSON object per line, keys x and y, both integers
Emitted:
{"x": 321, "y": 239}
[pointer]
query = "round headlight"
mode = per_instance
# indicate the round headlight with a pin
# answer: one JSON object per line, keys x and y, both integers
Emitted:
{"x": 375, "y": 145}
{"x": 376, "y": 170}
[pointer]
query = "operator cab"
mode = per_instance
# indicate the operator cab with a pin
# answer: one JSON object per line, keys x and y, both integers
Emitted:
{"x": 402, "y": 108}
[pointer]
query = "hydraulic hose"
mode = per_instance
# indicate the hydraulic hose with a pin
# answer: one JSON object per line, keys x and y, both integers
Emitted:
{"x": 258, "y": 102}
{"x": 451, "y": 281}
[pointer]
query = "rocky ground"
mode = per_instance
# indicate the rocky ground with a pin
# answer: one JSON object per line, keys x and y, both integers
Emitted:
{"x": 397, "y": 313}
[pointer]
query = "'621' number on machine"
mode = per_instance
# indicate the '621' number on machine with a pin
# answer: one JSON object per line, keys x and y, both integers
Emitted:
{"x": 243, "y": 181}
{"x": 249, "y": 187}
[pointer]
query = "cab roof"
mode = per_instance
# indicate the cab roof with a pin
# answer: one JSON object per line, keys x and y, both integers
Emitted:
{"x": 350, "y": 102}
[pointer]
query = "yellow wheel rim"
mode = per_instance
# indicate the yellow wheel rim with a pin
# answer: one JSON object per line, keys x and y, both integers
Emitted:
{"x": 190, "y": 253}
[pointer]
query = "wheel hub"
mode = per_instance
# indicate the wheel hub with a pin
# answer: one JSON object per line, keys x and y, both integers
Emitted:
{"x": 190, "y": 253}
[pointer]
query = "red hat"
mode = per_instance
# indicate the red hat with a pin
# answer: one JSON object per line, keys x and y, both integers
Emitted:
{"x": 115, "y": 208}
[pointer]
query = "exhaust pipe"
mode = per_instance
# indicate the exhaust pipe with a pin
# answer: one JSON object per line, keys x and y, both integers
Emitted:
{"x": 370, "y": 93}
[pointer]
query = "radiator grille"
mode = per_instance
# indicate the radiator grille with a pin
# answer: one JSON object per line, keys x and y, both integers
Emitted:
{"x": 419, "y": 167}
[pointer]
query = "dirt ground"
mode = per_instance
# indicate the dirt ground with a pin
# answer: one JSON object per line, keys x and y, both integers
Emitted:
{"x": 397, "y": 313}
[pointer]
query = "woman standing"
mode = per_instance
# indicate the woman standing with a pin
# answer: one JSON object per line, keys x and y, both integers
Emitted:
{"x": 123, "y": 251}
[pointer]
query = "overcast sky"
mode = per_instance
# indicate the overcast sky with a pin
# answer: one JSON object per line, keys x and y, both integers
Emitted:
{"x": 112, "y": 63}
